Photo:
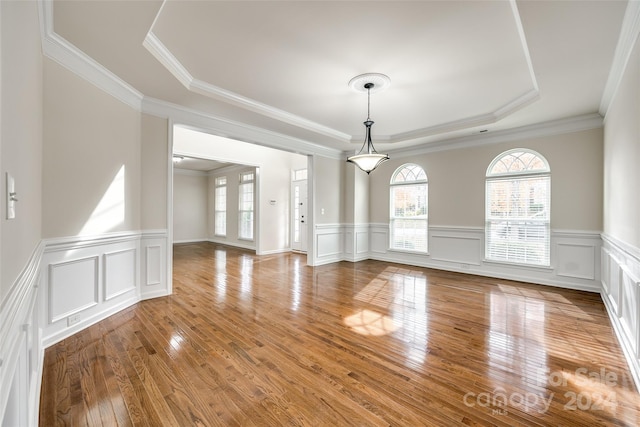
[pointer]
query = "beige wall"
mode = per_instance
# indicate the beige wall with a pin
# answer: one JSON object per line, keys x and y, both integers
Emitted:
{"x": 356, "y": 195}
{"x": 154, "y": 173}
{"x": 328, "y": 175}
{"x": 457, "y": 181}
{"x": 91, "y": 167}
{"x": 20, "y": 135}
{"x": 622, "y": 158}
{"x": 189, "y": 206}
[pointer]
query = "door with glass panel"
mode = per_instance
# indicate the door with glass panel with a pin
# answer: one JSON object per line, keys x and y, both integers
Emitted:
{"x": 299, "y": 212}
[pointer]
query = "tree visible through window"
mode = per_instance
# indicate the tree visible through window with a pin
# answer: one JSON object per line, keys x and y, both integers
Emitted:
{"x": 518, "y": 198}
{"x": 408, "y": 216}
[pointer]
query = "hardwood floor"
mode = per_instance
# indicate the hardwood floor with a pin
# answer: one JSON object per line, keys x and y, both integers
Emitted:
{"x": 268, "y": 341}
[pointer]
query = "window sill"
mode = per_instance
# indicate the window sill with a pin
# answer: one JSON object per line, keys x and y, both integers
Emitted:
{"x": 408, "y": 251}
{"x": 245, "y": 239}
{"x": 518, "y": 265}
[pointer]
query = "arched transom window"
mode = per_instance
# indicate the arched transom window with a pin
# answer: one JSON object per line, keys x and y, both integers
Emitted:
{"x": 408, "y": 209}
{"x": 518, "y": 199}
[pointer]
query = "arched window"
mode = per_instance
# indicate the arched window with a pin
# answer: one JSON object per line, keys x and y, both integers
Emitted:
{"x": 408, "y": 210}
{"x": 518, "y": 199}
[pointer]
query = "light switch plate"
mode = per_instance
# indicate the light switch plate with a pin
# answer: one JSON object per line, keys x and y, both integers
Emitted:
{"x": 11, "y": 201}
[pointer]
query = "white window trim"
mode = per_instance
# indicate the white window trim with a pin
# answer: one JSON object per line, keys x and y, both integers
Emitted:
{"x": 243, "y": 181}
{"x": 506, "y": 176}
{"x": 392, "y": 218}
{"x": 215, "y": 206}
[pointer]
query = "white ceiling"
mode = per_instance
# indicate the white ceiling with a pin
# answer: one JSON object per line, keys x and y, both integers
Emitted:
{"x": 456, "y": 67}
{"x": 198, "y": 164}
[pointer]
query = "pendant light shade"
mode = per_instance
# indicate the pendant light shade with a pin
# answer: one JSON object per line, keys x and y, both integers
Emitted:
{"x": 368, "y": 158}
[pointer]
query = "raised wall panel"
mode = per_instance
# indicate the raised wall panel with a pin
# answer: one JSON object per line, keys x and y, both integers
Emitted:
{"x": 621, "y": 295}
{"x": 455, "y": 248}
{"x": 328, "y": 244}
{"x": 348, "y": 243}
{"x": 614, "y": 285}
{"x": 153, "y": 265}
{"x": 362, "y": 242}
{"x": 119, "y": 273}
{"x": 605, "y": 269}
{"x": 629, "y": 307}
{"x": 73, "y": 287}
{"x": 575, "y": 260}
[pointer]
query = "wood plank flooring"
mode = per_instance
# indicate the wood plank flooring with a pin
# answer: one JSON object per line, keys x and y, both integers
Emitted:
{"x": 268, "y": 341}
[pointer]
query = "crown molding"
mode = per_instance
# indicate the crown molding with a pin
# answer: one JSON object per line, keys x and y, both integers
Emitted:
{"x": 628, "y": 37}
{"x": 234, "y": 130}
{"x": 539, "y": 130}
{"x": 207, "y": 89}
{"x": 69, "y": 56}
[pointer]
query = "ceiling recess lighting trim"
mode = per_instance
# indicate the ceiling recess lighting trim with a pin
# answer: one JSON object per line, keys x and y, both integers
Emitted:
{"x": 368, "y": 158}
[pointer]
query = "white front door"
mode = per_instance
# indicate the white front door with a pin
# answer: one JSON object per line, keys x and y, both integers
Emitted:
{"x": 299, "y": 215}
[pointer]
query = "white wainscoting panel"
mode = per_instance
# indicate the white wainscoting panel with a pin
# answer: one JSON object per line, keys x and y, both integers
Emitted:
{"x": 379, "y": 238}
{"x": 356, "y": 242}
{"x": 362, "y": 243}
{"x": 621, "y": 296}
{"x": 120, "y": 273}
{"x": 458, "y": 246}
{"x": 73, "y": 287}
{"x": 154, "y": 272}
{"x": 21, "y": 352}
{"x": 575, "y": 255}
{"x": 576, "y": 261}
{"x": 629, "y": 307}
{"x": 154, "y": 254}
{"x": 329, "y": 240}
{"x": 85, "y": 279}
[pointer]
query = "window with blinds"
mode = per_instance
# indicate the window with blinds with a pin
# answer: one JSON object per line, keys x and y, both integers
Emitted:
{"x": 408, "y": 209}
{"x": 518, "y": 199}
{"x": 245, "y": 206}
{"x": 220, "y": 207}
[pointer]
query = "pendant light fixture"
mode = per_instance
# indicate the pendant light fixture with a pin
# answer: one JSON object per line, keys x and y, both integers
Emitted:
{"x": 368, "y": 158}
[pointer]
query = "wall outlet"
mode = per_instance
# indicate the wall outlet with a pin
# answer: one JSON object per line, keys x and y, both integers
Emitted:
{"x": 73, "y": 319}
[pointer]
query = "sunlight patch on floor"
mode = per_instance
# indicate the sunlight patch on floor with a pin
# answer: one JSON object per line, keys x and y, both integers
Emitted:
{"x": 368, "y": 322}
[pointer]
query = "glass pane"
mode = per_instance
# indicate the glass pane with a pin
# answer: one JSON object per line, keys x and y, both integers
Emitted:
{"x": 409, "y": 234}
{"x": 518, "y": 161}
{"x": 409, "y": 201}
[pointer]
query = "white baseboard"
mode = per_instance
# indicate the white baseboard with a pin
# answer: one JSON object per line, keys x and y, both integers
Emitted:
{"x": 187, "y": 241}
{"x": 241, "y": 245}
